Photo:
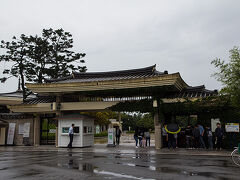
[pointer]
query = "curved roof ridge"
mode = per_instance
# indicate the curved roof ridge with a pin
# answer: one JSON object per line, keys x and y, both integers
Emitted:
{"x": 150, "y": 70}
{"x": 145, "y": 70}
{"x": 200, "y": 88}
{"x": 196, "y": 87}
{"x": 58, "y": 79}
{"x": 13, "y": 92}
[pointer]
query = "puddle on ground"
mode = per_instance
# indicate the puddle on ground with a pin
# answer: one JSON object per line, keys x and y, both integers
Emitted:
{"x": 5, "y": 168}
{"x": 95, "y": 156}
{"x": 79, "y": 166}
{"x": 29, "y": 172}
{"x": 119, "y": 175}
{"x": 185, "y": 172}
{"x": 171, "y": 170}
{"x": 93, "y": 169}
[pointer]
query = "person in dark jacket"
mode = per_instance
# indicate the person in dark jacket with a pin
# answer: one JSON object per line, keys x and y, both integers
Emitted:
{"x": 118, "y": 135}
{"x": 196, "y": 135}
{"x": 189, "y": 137}
{"x": 171, "y": 141}
{"x": 219, "y": 132}
{"x": 136, "y": 137}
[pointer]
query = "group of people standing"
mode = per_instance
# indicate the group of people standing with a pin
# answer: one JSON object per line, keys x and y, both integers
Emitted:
{"x": 198, "y": 137}
{"x": 142, "y": 138}
{"x": 195, "y": 137}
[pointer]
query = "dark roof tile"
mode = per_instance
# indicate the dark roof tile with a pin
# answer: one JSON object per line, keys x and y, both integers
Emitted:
{"x": 109, "y": 76}
{"x": 40, "y": 99}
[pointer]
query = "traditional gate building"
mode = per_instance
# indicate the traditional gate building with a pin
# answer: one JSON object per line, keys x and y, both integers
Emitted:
{"x": 57, "y": 99}
{"x": 18, "y": 118}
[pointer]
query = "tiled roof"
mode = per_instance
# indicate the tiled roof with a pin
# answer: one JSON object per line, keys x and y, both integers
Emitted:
{"x": 40, "y": 99}
{"x": 190, "y": 92}
{"x": 187, "y": 92}
{"x": 109, "y": 76}
{"x": 194, "y": 92}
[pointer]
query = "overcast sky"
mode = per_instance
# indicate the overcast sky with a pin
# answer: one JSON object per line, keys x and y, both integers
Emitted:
{"x": 178, "y": 36}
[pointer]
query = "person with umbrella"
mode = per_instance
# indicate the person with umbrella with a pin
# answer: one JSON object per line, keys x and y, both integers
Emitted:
{"x": 172, "y": 129}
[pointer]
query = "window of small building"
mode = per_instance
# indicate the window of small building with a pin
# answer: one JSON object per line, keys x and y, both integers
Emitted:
{"x": 87, "y": 129}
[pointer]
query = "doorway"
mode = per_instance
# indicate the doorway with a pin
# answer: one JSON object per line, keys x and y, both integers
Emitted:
{"x": 48, "y": 131}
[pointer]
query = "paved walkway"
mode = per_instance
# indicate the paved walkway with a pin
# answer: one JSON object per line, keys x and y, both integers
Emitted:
{"x": 124, "y": 148}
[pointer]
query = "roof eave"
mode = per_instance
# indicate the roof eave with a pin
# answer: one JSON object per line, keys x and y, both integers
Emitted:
{"x": 163, "y": 80}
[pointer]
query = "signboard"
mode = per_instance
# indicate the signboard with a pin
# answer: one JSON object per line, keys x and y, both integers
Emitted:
{"x": 65, "y": 130}
{"x": 232, "y": 127}
{"x": 26, "y": 129}
{"x": 52, "y": 131}
{"x": 11, "y": 131}
{"x": 111, "y": 137}
{"x": 97, "y": 129}
{"x": 214, "y": 124}
{"x": 21, "y": 129}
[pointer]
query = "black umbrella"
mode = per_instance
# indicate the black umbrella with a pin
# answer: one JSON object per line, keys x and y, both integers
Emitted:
{"x": 172, "y": 128}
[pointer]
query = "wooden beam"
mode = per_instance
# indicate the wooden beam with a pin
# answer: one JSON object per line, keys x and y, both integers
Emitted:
{"x": 65, "y": 106}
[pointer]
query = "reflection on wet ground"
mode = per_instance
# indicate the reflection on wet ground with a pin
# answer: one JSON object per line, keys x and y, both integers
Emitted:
{"x": 120, "y": 175}
{"x": 61, "y": 165}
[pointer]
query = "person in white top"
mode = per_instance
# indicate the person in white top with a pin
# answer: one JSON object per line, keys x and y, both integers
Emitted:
{"x": 71, "y": 133}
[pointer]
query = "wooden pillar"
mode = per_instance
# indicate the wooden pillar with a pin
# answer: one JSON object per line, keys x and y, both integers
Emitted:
{"x": 157, "y": 131}
{"x": 58, "y": 114}
{"x": 36, "y": 131}
{"x": 56, "y": 136}
{"x": 2, "y": 135}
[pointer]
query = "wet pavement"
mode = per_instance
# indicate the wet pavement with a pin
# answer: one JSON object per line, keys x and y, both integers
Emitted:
{"x": 111, "y": 164}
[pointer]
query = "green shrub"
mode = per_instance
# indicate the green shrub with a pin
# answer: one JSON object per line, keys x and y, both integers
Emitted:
{"x": 101, "y": 134}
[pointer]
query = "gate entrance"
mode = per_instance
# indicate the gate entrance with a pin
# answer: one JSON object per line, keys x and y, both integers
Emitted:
{"x": 148, "y": 88}
{"x": 48, "y": 131}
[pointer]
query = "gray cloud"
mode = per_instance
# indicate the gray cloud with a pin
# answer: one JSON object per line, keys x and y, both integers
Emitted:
{"x": 179, "y": 36}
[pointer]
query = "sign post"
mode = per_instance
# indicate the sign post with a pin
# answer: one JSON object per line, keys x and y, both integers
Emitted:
{"x": 26, "y": 130}
{"x": 111, "y": 137}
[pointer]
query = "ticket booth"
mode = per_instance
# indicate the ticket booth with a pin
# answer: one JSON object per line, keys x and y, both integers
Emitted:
{"x": 83, "y": 130}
